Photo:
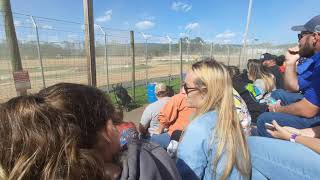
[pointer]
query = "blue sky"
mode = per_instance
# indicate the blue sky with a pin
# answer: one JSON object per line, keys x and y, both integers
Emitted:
{"x": 213, "y": 20}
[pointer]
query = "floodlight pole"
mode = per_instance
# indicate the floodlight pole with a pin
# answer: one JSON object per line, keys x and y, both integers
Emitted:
{"x": 105, "y": 54}
{"x": 246, "y": 32}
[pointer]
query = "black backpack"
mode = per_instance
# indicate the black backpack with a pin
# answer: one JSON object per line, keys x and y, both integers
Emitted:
{"x": 122, "y": 96}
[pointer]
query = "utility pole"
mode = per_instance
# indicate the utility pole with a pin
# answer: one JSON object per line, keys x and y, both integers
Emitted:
{"x": 11, "y": 38}
{"x": 246, "y": 34}
{"x": 89, "y": 42}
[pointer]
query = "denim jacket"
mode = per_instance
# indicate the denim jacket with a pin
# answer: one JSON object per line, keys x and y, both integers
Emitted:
{"x": 196, "y": 151}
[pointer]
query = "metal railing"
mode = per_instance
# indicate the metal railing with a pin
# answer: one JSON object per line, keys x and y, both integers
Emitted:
{"x": 53, "y": 51}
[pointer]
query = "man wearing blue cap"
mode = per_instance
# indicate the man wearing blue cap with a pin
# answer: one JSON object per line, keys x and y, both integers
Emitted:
{"x": 305, "y": 112}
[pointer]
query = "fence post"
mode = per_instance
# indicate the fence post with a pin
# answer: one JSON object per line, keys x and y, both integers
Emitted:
{"x": 181, "y": 62}
{"x": 89, "y": 42}
{"x": 11, "y": 39}
{"x": 170, "y": 58}
{"x": 228, "y": 55}
{"x": 39, "y": 51}
{"x": 211, "y": 50}
{"x": 133, "y": 66}
{"x": 146, "y": 56}
{"x": 105, "y": 55}
{"x": 239, "y": 62}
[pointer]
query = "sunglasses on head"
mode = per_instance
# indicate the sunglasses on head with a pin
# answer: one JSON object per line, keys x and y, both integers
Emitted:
{"x": 302, "y": 34}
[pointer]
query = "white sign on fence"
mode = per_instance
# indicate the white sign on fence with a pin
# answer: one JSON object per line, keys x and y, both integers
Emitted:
{"x": 21, "y": 80}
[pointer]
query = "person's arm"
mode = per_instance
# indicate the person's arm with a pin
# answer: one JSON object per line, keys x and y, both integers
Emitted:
{"x": 282, "y": 133}
{"x": 145, "y": 121}
{"x": 142, "y": 129}
{"x": 313, "y": 132}
{"x": 168, "y": 114}
{"x": 302, "y": 108}
{"x": 290, "y": 75}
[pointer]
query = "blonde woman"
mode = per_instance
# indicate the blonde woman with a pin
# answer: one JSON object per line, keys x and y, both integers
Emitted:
{"x": 213, "y": 145}
{"x": 263, "y": 81}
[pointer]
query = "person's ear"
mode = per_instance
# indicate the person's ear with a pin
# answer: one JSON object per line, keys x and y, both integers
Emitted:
{"x": 204, "y": 92}
{"x": 108, "y": 129}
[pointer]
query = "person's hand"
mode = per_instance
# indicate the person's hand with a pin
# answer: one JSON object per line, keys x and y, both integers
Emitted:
{"x": 279, "y": 132}
{"x": 293, "y": 130}
{"x": 172, "y": 148}
{"x": 273, "y": 107}
{"x": 292, "y": 56}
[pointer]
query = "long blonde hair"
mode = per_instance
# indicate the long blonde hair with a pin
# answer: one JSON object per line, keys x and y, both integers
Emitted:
{"x": 227, "y": 133}
{"x": 257, "y": 71}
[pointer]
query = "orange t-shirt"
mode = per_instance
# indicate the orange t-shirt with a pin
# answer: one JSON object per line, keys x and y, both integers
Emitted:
{"x": 175, "y": 115}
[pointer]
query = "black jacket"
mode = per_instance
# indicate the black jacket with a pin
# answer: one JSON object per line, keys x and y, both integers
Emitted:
{"x": 145, "y": 161}
{"x": 255, "y": 109}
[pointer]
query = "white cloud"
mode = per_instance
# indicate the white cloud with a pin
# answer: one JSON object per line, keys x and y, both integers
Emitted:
{"x": 192, "y": 26}
{"x": 107, "y": 17}
{"x": 183, "y": 34}
{"x": 46, "y": 26}
{"x": 226, "y": 35}
{"x": 180, "y": 6}
{"x": 17, "y": 23}
{"x": 142, "y": 25}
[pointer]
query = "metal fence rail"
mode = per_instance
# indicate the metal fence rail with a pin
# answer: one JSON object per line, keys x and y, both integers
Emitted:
{"x": 53, "y": 51}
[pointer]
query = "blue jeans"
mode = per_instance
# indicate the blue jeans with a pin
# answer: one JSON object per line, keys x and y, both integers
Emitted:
{"x": 278, "y": 159}
{"x": 162, "y": 139}
{"x": 284, "y": 119}
{"x": 286, "y": 97}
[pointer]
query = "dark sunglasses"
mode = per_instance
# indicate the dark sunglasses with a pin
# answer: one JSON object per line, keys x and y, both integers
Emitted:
{"x": 302, "y": 34}
{"x": 189, "y": 89}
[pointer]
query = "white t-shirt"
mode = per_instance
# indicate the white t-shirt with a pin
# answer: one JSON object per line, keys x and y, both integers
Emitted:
{"x": 150, "y": 115}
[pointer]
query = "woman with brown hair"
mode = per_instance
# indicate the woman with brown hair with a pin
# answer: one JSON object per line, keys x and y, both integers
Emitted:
{"x": 67, "y": 131}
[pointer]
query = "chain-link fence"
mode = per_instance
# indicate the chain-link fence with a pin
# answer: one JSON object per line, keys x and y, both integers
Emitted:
{"x": 53, "y": 51}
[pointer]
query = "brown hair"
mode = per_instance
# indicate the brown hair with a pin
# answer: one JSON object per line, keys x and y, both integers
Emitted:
{"x": 52, "y": 135}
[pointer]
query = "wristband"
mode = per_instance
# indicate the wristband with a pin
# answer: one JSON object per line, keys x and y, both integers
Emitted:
{"x": 293, "y": 137}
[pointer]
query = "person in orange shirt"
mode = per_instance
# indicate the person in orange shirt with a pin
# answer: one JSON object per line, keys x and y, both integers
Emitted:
{"x": 175, "y": 115}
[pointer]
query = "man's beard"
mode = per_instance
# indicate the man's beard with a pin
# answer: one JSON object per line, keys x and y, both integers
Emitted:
{"x": 306, "y": 50}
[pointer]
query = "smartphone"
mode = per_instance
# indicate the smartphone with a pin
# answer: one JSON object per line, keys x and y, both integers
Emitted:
{"x": 269, "y": 126}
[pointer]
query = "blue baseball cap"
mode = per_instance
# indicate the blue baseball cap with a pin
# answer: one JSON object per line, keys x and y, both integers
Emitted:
{"x": 313, "y": 25}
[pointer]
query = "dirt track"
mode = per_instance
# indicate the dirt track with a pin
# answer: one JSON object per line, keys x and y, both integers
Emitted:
{"x": 75, "y": 71}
